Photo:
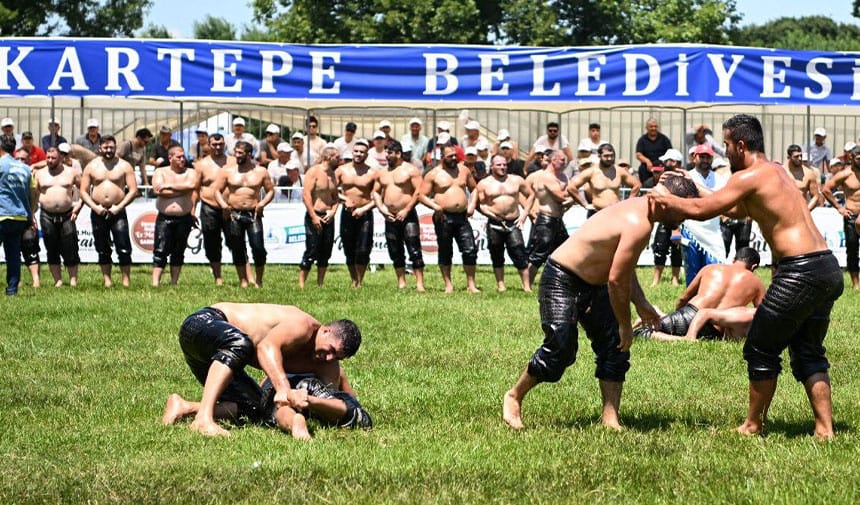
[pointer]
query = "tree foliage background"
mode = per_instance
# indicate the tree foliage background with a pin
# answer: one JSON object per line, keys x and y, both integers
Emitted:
{"x": 78, "y": 18}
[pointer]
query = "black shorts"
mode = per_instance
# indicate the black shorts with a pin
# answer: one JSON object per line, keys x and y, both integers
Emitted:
{"x": 105, "y": 227}
{"x": 795, "y": 313}
{"x": 212, "y": 226}
{"x": 501, "y": 234}
{"x": 452, "y": 227}
{"x": 61, "y": 237}
{"x": 565, "y": 300}
{"x": 243, "y": 223}
{"x": 171, "y": 239}
{"x": 547, "y": 234}
{"x": 356, "y": 236}
{"x": 678, "y": 322}
{"x": 318, "y": 243}
{"x": 206, "y": 336}
{"x": 404, "y": 233}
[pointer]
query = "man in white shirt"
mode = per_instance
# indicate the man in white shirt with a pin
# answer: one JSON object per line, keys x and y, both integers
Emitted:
{"x": 415, "y": 142}
{"x": 345, "y": 144}
{"x": 238, "y": 134}
{"x": 314, "y": 143}
{"x": 552, "y": 140}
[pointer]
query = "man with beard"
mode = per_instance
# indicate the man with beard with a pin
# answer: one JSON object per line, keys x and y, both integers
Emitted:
{"x": 356, "y": 182}
{"x": 548, "y": 229}
{"x": 319, "y": 195}
{"x": 498, "y": 197}
{"x": 605, "y": 181}
{"x": 212, "y": 221}
{"x": 56, "y": 187}
{"x": 795, "y": 312}
{"x": 591, "y": 280}
{"x": 650, "y": 146}
{"x": 848, "y": 180}
{"x": 449, "y": 183}
{"x": 108, "y": 185}
{"x": 552, "y": 140}
{"x": 397, "y": 191}
{"x": 804, "y": 176}
{"x": 176, "y": 188}
{"x": 241, "y": 184}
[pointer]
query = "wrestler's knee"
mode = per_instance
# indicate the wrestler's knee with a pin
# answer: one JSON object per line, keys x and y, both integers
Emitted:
{"x": 556, "y": 354}
{"x": 761, "y": 364}
{"x": 612, "y": 366}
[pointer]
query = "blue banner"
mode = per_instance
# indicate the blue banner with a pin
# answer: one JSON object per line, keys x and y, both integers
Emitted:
{"x": 437, "y": 73}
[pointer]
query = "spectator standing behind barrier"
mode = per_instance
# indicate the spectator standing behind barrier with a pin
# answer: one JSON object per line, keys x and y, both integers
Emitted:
{"x": 650, "y": 146}
{"x": 92, "y": 139}
{"x": 848, "y": 181}
{"x": 299, "y": 154}
{"x": 415, "y": 142}
{"x": 200, "y": 146}
{"x": 269, "y": 146}
{"x": 239, "y": 134}
{"x": 278, "y": 166}
{"x": 503, "y": 136}
{"x": 56, "y": 185}
{"x": 345, "y": 143}
{"x": 314, "y": 143}
{"x": 697, "y": 247}
{"x": 165, "y": 142}
{"x": 37, "y": 154}
{"x": 107, "y": 187}
{"x": 667, "y": 241}
{"x": 17, "y": 205}
{"x": 53, "y": 138}
{"x": 553, "y": 140}
{"x": 819, "y": 154}
{"x": 134, "y": 152}
{"x": 11, "y": 141}
{"x": 592, "y": 141}
{"x": 702, "y": 134}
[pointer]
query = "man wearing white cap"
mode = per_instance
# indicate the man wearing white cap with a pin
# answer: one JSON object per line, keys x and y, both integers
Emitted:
{"x": 92, "y": 139}
{"x": 433, "y": 154}
{"x": 415, "y": 142}
{"x": 378, "y": 156}
{"x": 385, "y": 127}
{"x": 502, "y": 136}
{"x": 819, "y": 154}
{"x": 268, "y": 148}
{"x": 515, "y": 165}
{"x": 53, "y": 138}
{"x": 11, "y": 141}
{"x": 297, "y": 140}
{"x": 473, "y": 135}
{"x": 238, "y": 134}
{"x": 278, "y": 166}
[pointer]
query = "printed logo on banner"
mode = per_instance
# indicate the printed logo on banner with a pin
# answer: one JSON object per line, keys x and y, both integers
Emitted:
{"x": 143, "y": 231}
{"x": 295, "y": 234}
{"x": 278, "y": 235}
{"x": 428, "y": 234}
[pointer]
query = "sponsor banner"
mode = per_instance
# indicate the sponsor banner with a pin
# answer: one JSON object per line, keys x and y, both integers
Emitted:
{"x": 285, "y": 236}
{"x": 637, "y": 74}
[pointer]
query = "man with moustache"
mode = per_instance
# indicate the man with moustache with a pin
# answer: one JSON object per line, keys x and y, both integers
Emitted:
{"x": 498, "y": 197}
{"x": 848, "y": 180}
{"x": 108, "y": 185}
{"x": 320, "y": 197}
{"x": 448, "y": 183}
{"x": 804, "y": 176}
{"x": 356, "y": 181}
{"x": 56, "y": 185}
{"x": 397, "y": 192}
{"x": 241, "y": 185}
{"x": 605, "y": 181}
{"x": 212, "y": 221}
{"x": 176, "y": 188}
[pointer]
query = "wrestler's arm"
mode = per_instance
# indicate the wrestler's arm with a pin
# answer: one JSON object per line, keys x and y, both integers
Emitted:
{"x": 835, "y": 182}
{"x": 814, "y": 192}
{"x": 690, "y": 292}
{"x": 86, "y": 183}
{"x": 426, "y": 190}
{"x": 734, "y": 321}
{"x": 474, "y": 197}
{"x": 576, "y": 183}
{"x": 269, "y": 187}
{"x": 620, "y": 287}
{"x": 131, "y": 183}
{"x": 344, "y": 384}
{"x": 526, "y": 190}
{"x": 283, "y": 340}
{"x": 719, "y": 202}
{"x": 218, "y": 188}
{"x": 633, "y": 182}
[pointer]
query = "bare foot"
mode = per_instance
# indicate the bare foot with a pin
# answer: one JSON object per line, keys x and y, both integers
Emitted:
{"x": 401, "y": 285}
{"x": 828, "y": 435}
{"x": 108, "y": 283}
{"x": 748, "y": 428}
{"x": 219, "y": 281}
{"x": 73, "y": 283}
{"x": 419, "y": 288}
{"x": 299, "y": 428}
{"x": 449, "y": 288}
{"x": 126, "y": 283}
{"x": 501, "y": 287}
{"x": 175, "y": 409}
{"x": 37, "y": 284}
{"x": 243, "y": 284}
{"x": 59, "y": 283}
{"x": 612, "y": 424}
{"x": 527, "y": 289}
{"x": 474, "y": 290}
{"x": 209, "y": 429}
{"x": 511, "y": 411}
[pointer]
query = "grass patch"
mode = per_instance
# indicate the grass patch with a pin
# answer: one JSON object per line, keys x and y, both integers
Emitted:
{"x": 85, "y": 373}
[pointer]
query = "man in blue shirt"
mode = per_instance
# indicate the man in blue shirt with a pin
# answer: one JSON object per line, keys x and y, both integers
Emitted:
{"x": 16, "y": 214}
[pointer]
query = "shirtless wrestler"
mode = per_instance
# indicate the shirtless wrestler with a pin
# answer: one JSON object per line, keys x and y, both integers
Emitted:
{"x": 605, "y": 181}
{"x": 804, "y": 176}
{"x": 848, "y": 180}
{"x": 319, "y": 195}
{"x": 218, "y": 342}
{"x": 108, "y": 185}
{"x": 56, "y": 185}
{"x": 356, "y": 181}
{"x": 212, "y": 221}
{"x": 176, "y": 188}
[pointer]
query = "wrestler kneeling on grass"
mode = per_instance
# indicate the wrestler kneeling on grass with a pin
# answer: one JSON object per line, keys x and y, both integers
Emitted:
{"x": 219, "y": 341}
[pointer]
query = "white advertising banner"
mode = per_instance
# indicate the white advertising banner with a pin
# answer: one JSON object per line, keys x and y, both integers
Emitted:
{"x": 285, "y": 235}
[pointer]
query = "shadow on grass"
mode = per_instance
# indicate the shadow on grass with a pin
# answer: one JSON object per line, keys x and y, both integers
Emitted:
{"x": 801, "y": 429}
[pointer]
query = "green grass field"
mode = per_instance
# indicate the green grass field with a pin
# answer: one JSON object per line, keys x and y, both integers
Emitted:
{"x": 84, "y": 374}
